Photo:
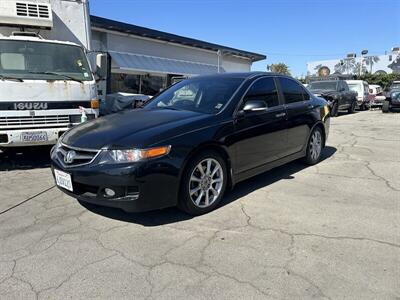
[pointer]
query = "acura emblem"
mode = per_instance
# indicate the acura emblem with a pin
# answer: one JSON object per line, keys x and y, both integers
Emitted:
{"x": 69, "y": 157}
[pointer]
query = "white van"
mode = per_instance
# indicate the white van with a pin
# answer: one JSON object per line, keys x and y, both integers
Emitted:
{"x": 362, "y": 89}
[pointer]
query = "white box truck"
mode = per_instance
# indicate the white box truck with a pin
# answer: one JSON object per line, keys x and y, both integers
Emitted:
{"x": 46, "y": 82}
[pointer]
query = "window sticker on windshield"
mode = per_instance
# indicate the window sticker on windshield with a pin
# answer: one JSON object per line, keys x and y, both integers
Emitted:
{"x": 79, "y": 63}
{"x": 218, "y": 106}
{"x": 86, "y": 74}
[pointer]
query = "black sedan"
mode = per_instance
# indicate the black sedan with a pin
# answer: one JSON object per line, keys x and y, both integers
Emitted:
{"x": 192, "y": 142}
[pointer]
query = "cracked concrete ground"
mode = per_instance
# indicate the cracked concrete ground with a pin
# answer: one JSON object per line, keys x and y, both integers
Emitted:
{"x": 329, "y": 231}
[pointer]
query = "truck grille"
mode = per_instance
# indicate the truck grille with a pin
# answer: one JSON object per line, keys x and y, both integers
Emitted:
{"x": 72, "y": 157}
{"x": 32, "y": 10}
{"x": 34, "y": 121}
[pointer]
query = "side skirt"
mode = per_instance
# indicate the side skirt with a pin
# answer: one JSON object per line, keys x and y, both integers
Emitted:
{"x": 261, "y": 169}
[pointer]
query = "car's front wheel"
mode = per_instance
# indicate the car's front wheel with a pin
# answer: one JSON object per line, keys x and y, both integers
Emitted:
{"x": 386, "y": 106}
{"x": 314, "y": 147}
{"x": 352, "y": 108}
{"x": 203, "y": 183}
{"x": 335, "y": 109}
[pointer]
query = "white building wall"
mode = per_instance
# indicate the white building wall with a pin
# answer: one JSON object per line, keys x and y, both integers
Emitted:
{"x": 236, "y": 64}
{"x": 106, "y": 41}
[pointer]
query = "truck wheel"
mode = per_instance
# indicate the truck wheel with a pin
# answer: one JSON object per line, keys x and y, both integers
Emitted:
{"x": 203, "y": 183}
{"x": 386, "y": 107}
{"x": 352, "y": 108}
{"x": 335, "y": 110}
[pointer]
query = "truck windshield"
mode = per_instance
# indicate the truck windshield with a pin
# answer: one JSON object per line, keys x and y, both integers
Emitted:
{"x": 356, "y": 88}
{"x": 43, "y": 61}
{"x": 323, "y": 85}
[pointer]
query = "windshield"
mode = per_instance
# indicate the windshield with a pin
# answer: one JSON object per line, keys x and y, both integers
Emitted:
{"x": 32, "y": 60}
{"x": 395, "y": 86}
{"x": 323, "y": 85}
{"x": 200, "y": 95}
{"x": 355, "y": 87}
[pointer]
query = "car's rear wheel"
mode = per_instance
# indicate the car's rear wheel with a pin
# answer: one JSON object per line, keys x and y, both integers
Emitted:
{"x": 335, "y": 109}
{"x": 352, "y": 108}
{"x": 314, "y": 147}
{"x": 203, "y": 183}
{"x": 385, "y": 107}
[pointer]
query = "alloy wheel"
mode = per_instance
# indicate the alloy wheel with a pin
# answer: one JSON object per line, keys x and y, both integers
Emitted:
{"x": 315, "y": 145}
{"x": 206, "y": 182}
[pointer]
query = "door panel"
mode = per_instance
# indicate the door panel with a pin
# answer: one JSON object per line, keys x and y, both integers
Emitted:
{"x": 260, "y": 138}
{"x": 299, "y": 118}
{"x": 299, "y": 108}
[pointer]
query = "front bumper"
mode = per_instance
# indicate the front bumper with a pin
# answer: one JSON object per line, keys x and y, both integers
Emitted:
{"x": 138, "y": 187}
{"x": 13, "y": 138}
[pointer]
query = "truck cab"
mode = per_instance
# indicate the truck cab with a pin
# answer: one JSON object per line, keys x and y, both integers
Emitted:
{"x": 46, "y": 82}
{"x": 46, "y": 87}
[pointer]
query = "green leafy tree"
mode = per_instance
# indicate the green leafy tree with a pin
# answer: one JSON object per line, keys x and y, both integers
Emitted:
{"x": 280, "y": 68}
{"x": 384, "y": 80}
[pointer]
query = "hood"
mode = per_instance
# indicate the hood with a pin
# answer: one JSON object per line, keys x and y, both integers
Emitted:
{"x": 135, "y": 128}
{"x": 42, "y": 90}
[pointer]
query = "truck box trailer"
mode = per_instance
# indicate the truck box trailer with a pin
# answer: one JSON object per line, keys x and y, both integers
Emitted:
{"x": 46, "y": 82}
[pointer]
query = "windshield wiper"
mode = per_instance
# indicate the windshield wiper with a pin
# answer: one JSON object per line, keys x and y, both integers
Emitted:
{"x": 168, "y": 107}
{"x": 58, "y": 74}
{"x": 2, "y": 77}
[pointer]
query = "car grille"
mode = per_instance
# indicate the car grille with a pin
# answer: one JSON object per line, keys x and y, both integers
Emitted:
{"x": 34, "y": 121}
{"x": 73, "y": 157}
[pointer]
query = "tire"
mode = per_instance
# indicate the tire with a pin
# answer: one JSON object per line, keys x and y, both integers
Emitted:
{"x": 335, "y": 109}
{"x": 385, "y": 107}
{"x": 352, "y": 108}
{"x": 315, "y": 146}
{"x": 203, "y": 183}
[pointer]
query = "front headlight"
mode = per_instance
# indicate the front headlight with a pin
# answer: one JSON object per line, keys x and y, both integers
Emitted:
{"x": 133, "y": 155}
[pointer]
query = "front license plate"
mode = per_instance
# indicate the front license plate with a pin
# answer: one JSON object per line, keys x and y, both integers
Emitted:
{"x": 34, "y": 137}
{"x": 63, "y": 180}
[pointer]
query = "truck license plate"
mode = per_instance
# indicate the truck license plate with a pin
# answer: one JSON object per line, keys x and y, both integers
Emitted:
{"x": 34, "y": 137}
{"x": 63, "y": 180}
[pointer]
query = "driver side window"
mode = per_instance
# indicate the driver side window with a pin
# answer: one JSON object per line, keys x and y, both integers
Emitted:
{"x": 263, "y": 89}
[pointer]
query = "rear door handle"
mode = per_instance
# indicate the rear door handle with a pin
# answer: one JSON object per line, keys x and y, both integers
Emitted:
{"x": 280, "y": 115}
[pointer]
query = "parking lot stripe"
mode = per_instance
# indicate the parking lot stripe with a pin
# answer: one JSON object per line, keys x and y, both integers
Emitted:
{"x": 26, "y": 200}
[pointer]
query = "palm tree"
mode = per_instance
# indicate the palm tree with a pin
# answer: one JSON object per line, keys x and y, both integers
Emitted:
{"x": 346, "y": 66}
{"x": 370, "y": 61}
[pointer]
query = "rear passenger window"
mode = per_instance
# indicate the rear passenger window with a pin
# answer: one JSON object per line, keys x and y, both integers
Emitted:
{"x": 292, "y": 91}
{"x": 265, "y": 90}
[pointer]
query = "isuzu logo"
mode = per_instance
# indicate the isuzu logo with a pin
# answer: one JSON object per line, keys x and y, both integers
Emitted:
{"x": 30, "y": 105}
{"x": 69, "y": 157}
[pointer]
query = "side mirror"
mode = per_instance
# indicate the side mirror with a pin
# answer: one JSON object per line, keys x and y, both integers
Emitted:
{"x": 101, "y": 65}
{"x": 255, "y": 105}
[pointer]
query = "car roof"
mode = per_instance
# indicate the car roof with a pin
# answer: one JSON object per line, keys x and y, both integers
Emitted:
{"x": 243, "y": 75}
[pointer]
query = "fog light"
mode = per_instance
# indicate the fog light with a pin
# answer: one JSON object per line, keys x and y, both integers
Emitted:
{"x": 109, "y": 192}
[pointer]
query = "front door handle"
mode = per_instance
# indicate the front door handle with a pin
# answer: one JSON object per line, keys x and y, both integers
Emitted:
{"x": 280, "y": 115}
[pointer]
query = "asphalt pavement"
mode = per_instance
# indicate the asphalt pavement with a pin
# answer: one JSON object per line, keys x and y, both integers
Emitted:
{"x": 330, "y": 231}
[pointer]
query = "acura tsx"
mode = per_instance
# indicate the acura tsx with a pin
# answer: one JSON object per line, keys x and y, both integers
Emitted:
{"x": 192, "y": 142}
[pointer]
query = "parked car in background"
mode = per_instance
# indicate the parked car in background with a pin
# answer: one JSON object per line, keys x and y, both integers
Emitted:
{"x": 376, "y": 96}
{"x": 337, "y": 93}
{"x": 392, "y": 102}
{"x": 362, "y": 89}
{"x": 191, "y": 142}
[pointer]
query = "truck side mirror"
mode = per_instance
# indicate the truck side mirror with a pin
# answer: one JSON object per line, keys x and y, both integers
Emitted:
{"x": 101, "y": 65}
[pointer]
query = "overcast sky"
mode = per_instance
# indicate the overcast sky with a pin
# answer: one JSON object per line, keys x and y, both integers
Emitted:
{"x": 289, "y": 31}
